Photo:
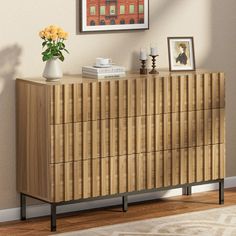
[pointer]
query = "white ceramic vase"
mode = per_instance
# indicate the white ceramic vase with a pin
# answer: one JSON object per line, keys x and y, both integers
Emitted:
{"x": 52, "y": 70}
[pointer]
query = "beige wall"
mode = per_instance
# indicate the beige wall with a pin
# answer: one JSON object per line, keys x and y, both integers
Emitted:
{"x": 211, "y": 22}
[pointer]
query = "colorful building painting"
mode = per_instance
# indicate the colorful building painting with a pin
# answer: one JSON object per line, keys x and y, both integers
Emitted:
{"x": 115, "y": 12}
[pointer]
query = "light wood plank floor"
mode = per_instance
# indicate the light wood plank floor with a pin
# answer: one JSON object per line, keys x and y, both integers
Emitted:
{"x": 113, "y": 215}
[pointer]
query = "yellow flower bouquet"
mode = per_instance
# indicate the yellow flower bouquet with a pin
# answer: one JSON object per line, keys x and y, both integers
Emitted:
{"x": 53, "y": 39}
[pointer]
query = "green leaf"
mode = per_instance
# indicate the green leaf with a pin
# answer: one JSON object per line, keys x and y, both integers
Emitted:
{"x": 66, "y": 50}
{"x": 62, "y": 58}
{"x": 44, "y": 44}
{"x": 45, "y": 57}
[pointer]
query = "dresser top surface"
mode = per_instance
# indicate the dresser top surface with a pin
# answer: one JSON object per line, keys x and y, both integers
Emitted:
{"x": 71, "y": 79}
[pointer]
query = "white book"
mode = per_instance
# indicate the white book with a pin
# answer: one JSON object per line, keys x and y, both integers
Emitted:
{"x": 97, "y": 70}
{"x": 104, "y": 76}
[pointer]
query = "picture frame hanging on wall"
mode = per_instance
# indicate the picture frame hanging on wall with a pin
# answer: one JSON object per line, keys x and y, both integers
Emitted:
{"x": 113, "y": 15}
{"x": 181, "y": 54}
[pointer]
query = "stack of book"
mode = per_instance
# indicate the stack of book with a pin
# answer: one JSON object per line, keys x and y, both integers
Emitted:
{"x": 103, "y": 73}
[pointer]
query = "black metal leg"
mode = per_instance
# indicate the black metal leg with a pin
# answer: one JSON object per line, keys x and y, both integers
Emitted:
{"x": 53, "y": 217}
{"x": 221, "y": 192}
{"x": 187, "y": 190}
{"x": 125, "y": 203}
{"x": 22, "y": 206}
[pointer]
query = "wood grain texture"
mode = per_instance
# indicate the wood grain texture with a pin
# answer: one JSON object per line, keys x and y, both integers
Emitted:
{"x": 33, "y": 171}
{"x": 99, "y": 138}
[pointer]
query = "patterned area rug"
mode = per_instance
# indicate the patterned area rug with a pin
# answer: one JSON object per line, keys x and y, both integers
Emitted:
{"x": 214, "y": 222}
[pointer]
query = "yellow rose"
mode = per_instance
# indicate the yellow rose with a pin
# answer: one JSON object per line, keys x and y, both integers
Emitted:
{"x": 53, "y": 31}
{"x": 47, "y": 30}
{"x": 65, "y": 35}
{"x": 61, "y": 34}
{"x": 47, "y": 35}
{"x": 54, "y": 37}
{"x": 42, "y": 34}
{"x": 59, "y": 30}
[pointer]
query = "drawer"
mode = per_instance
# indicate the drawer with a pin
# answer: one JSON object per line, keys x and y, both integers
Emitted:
{"x": 135, "y": 97}
{"x": 104, "y": 100}
{"x": 137, "y": 172}
{"x": 125, "y": 136}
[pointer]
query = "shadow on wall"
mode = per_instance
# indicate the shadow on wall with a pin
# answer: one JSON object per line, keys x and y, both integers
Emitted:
{"x": 9, "y": 61}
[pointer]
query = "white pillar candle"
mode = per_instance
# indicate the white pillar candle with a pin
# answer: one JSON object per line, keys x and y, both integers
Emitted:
{"x": 143, "y": 54}
{"x": 154, "y": 51}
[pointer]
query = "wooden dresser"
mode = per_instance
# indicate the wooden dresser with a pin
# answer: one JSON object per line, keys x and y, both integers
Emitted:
{"x": 82, "y": 139}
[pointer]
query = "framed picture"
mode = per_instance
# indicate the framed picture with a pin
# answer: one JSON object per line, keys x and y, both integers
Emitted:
{"x": 181, "y": 54}
{"x": 113, "y": 15}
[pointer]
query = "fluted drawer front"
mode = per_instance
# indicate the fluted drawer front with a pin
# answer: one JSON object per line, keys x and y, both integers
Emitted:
{"x": 117, "y": 137}
{"x": 108, "y": 176}
{"x": 135, "y": 97}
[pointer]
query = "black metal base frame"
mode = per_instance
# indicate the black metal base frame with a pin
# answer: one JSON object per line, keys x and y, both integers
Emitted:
{"x": 187, "y": 190}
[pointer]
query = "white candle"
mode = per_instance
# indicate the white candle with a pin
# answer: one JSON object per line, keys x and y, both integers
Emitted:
{"x": 154, "y": 51}
{"x": 143, "y": 54}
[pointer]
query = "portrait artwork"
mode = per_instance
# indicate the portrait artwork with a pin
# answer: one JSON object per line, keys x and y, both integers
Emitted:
{"x": 181, "y": 54}
{"x": 107, "y": 15}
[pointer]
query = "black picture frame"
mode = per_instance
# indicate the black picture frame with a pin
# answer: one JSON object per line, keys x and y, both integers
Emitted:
{"x": 181, "y": 54}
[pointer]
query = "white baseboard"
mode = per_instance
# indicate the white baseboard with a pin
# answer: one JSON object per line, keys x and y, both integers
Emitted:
{"x": 44, "y": 209}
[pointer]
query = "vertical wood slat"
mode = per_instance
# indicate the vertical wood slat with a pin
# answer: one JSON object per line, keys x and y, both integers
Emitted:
{"x": 215, "y": 161}
{"x": 166, "y": 95}
{"x": 200, "y": 164}
{"x": 149, "y": 171}
{"x": 113, "y": 175}
{"x": 207, "y": 163}
{"x": 157, "y": 133}
{"x": 183, "y": 93}
{"x": 94, "y": 101}
{"x": 138, "y": 168}
{"x": 112, "y": 99}
{"x": 57, "y": 105}
{"x": 183, "y": 166}
{"x": 222, "y": 161}
{"x": 59, "y": 182}
{"x": 222, "y": 90}
{"x": 122, "y": 174}
{"x": 104, "y": 173}
{"x": 200, "y": 127}
{"x": 208, "y": 127}
{"x": 157, "y": 96}
{"x": 167, "y": 131}
{"x": 191, "y": 165}
{"x": 148, "y": 94}
{"x": 96, "y": 177}
{"x": 215, "y": 90}
{"x": 200, "y": 91}
{"x": 167, "y": 168}
{"x": 207, "y": 91}
{"x": 222, "y": 126}
{"x": 174, "y": 94}
{"x": 68, "y": 179}
{"x": 175, "y": 167}
{"x": 121, "y": 99}
{"x": 191, "y": 85}
{"x": 131, "y": 177}
{"x": 191, "y": 133}
{"x": 85, "y": 101}
{"x": 138, "y": 98}
{"x": 129, "y": 99}
{"x": 103, "y": 100}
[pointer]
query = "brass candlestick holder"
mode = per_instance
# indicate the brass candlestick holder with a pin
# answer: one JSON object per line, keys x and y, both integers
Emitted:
{"x": 154, "y": 71}
{"x": 143, "y": 69}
